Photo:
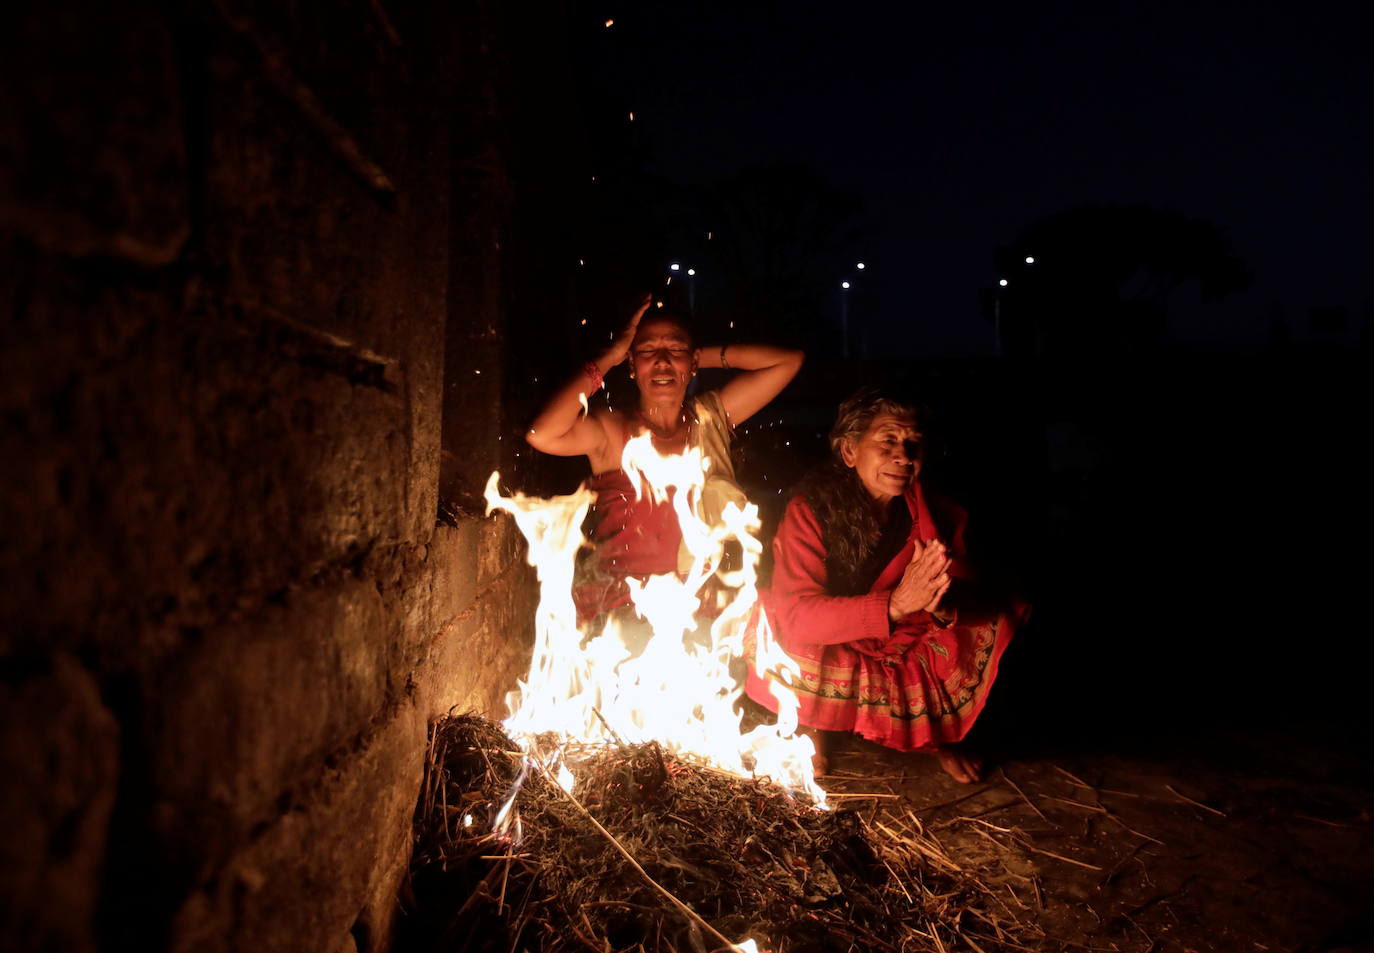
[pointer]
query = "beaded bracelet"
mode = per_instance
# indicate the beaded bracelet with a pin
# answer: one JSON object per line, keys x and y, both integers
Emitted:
{"x": 594, "y": 372}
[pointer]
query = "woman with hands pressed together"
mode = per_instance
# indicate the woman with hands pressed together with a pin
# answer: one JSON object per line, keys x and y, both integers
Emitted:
{"x": 870, "y": 597}
{"x": 641, "y": 537}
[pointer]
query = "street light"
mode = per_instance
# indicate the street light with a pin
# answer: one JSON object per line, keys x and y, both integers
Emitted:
{"x": 844, "y": 320}
{"x": 861, "y": 266}
{"x": 691, "y": 287}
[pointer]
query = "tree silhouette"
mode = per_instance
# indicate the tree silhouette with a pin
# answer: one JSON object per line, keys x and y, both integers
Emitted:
{"x": 779, "y": 237}
{"x": 1102, "y": 278}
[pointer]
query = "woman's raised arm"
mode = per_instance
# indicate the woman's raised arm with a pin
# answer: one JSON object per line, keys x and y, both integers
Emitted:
{"x": 564, "y": 428}
{"x": 764, "y": 371}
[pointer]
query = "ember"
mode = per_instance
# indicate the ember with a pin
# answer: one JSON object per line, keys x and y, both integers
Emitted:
{"x": 657, "y": 853}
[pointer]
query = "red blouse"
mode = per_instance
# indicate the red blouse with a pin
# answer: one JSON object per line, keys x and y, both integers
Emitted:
{"x": 804, "y": 612}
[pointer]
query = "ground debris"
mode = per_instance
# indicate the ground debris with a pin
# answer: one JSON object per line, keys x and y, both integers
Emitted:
{"x": 714, "y": 856}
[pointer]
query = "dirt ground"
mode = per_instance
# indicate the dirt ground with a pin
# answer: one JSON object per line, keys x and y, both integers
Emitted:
{"x": 1229, "y": 842}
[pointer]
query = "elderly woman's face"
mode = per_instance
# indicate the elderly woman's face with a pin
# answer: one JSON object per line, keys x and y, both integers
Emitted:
{"x": 887, "y": 457}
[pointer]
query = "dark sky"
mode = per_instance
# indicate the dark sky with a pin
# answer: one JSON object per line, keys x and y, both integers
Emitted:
{"x": 959, "y": 126}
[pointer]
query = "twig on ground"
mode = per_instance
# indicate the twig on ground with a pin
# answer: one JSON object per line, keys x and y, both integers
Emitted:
{"x": 1185, "y": 798}
{"x": 1029, "y": 803}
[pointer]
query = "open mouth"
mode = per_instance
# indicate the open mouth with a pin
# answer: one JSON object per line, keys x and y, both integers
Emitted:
{"x": 662, "y": 381}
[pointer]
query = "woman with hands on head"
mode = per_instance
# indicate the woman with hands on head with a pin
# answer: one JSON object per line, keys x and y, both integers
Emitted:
{"x": 870, "y": 597}
{"x": 641, "y": 537}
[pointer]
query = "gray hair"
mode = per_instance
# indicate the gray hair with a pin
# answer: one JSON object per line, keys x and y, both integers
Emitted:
{"x": 858, "y": 412}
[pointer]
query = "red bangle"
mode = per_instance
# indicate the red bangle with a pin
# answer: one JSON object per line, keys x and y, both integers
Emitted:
{"x": 594, "y": 372}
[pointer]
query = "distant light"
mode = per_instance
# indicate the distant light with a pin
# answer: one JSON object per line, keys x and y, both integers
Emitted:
{"x": 669, "y": 281}
{"x": 845, "y": 284}
{"x": 477, "y": 371}
{"x": 610, "y": 23}
{"x": 708, "y": 236}
{"x": 581, "y": 262}
{"x": 674, "y": 266}
{"x": 1030, "y": 259}
{"x": 860, "y": 266}
{"x": 691, "y": 271}
{"x": 658, "y": 304}
{"x": 584, "y": 320}
{"x": 632, "y": 116}
{"x": 1003, "y": 282}
{"x": 732, "y": 325}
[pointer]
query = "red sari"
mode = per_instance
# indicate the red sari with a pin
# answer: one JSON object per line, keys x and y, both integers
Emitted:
{"x": 640, "y": 537}
{"x": 633, "y": 537}
{"x": 909, "y": 684}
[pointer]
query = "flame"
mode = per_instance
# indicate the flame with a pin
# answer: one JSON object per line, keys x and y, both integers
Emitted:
{"x": 682, "y": 686}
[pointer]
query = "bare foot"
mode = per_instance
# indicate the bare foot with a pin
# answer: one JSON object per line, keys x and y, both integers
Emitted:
{"x": 959, "y": 764}
{"x": 820, "y": 761}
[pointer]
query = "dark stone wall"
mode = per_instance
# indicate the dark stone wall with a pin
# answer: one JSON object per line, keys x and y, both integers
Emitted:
{"x": 238, "y": 239}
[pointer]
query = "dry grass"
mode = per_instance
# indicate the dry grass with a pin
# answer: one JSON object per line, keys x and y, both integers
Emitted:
{"x": 654, "y": 853}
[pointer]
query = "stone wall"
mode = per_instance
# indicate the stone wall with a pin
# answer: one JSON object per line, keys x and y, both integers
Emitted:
{"x": 237, "y": 238}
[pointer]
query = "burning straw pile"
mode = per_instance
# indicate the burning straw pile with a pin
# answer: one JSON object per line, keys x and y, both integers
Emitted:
{"x": 653, "y": 853}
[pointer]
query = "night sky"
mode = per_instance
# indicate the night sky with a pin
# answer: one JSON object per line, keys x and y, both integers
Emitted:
{"x": 960, "y": 126}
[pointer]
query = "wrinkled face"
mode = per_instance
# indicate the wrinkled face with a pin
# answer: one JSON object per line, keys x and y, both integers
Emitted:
{"x": 887, "y": 457}
{"x": 662, "y": 360}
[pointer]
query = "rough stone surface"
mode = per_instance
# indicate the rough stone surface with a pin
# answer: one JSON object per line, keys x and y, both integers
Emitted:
{"x": 59, "y": 753}
{"x": 240, "y": 239}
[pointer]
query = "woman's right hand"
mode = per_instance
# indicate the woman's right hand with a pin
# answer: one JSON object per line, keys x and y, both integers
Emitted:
{"x": 923, "y": 583}
{"x": 620, "y": 347}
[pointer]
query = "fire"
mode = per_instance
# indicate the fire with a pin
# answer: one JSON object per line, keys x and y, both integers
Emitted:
{"x": 681, "y": 688}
